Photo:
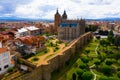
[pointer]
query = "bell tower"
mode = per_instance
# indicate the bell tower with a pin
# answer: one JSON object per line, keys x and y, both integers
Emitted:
{"x": 64, "y": 16}
{"x": 57, "y": 20}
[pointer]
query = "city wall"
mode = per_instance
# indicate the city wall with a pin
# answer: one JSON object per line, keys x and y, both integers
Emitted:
{"x": 43, "y": 72}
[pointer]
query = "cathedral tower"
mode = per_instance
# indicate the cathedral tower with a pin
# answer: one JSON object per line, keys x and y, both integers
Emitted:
{"x": 64, "y": 16}
{"x": 57, "y": 20}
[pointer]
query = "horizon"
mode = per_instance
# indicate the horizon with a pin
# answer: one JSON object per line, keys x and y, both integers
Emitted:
{"x": 39, "y": 9}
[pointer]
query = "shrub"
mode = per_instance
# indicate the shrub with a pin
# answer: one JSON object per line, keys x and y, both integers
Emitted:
{"x": 97, "y": 62}
{"x": 56, "y": 48}
{"x": 87, "y": 76}
{"x": 46, "y": 50}
{"x": 106, "y": 69}
{"x": 59, "y": 42}
{"x": 108, "y": 78}
{"x": 85, "y": 59}
{"x": 74, "y": 76}
{"x": 10, "y": 69}
{"x": 79, "y": 72}
{"x": 118, "y": 69}
{"x": 66, "y": 44}
{"x": 113, "y": 78}
{"x": 118, "y": 74}
{"x": 35, "y": 59}
{"x": 102, "y": 58}
{"x": 109, "y": 62}
{"x": 103, "y": 78}
{"x": 83, "y": 66}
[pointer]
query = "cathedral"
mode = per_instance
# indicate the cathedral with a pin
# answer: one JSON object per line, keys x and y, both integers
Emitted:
{"x": 68, "y": 29}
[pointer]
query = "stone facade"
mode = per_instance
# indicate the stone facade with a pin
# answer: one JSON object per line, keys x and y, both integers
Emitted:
{"x": 68, "y": 29}
{"x": 43, "y": 72}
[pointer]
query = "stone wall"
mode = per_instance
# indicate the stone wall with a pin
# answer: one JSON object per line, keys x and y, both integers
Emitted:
{"x": 43, "y": 72}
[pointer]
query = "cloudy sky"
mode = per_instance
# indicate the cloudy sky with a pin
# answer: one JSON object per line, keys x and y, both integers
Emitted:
{"x": 45, "y": 9}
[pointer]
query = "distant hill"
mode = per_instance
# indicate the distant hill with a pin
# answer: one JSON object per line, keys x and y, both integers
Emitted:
{"x": 16, "y": 19}
{"x": 106, "y": 19}
{"x": 9, "y": 19}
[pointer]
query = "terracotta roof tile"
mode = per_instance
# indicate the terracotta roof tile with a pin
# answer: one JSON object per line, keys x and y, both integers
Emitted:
{"x": 3, "y": 50}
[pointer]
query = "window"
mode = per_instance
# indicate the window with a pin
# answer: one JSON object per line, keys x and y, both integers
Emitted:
{"x": 6, "y": 66}
{"x": 4, "y": 54}
{"x": 5, "y": 60}
{"x": 0, "y": 69}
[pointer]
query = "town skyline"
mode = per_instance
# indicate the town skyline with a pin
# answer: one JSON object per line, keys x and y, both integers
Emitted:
{"x": 38, "y": 9}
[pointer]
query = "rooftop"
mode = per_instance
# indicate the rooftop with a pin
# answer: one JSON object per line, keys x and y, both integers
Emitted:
{"x": 22, "y": 30}
{"x": 32, "y": 28}
{"x": 68, "y": 24}
{"x": 3, "y": 50}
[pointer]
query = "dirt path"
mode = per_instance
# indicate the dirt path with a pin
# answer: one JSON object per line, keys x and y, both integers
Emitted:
{"x": 43, "y": 59}
{"x": 93, "y": 64}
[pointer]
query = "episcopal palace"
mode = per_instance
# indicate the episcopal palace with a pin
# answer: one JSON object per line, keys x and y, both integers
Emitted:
{"x": 68, "y": 29}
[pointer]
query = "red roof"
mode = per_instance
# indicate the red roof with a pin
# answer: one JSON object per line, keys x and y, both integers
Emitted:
{"x": 3, "y": 50}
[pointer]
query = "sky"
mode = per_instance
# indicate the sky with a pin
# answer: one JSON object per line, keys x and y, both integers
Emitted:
{"x": 45, "y": 9}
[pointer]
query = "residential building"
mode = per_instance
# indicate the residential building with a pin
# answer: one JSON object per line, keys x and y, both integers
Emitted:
{"x": 5, "y": 61}
{"x": 33, "y": 30}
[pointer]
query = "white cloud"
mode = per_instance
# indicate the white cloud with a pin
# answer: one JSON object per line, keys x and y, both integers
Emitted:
{"x": 74, "y": 8}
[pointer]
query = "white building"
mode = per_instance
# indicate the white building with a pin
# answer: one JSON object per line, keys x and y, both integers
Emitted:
{"x": 22, "y": 32}
{"x": 4, "y": 60}
{"x": 33, "y": 30}
{"x": 26, "y": 31}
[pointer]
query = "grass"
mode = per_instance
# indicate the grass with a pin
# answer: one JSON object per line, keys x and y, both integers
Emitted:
{"x": 49, "y": 56}
{"x": 92, "y": 46}
{"x": 43, "y": 52}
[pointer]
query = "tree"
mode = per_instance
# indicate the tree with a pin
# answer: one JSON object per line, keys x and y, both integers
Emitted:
{"x": 87, "y": 76}
{"x": 111, "y": 39}
{"x": 118, "y": 69}
{"x": 74, "y": 76}
{"x": 98, "y": 37}
{"x": 83, "y": 66}
{"x": 108, "y": 62}
{"x": 117, "y": 41}
{"x": 116, "y": 55}
{"x": 91, "y": 27}
{"x": 79, "y": 73}
{"x": 101, "y": 57}
{"x": 104, "y": 43}
{"x": 97, "y": 62}
{"x": 111, "y": 33}
{"x": 118, "y": 74}
{"x": 106, "y": 69}
{"x": 85, "y": 59}
{"x": 101, "y": 32}
{"x": 87, "y": 52}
